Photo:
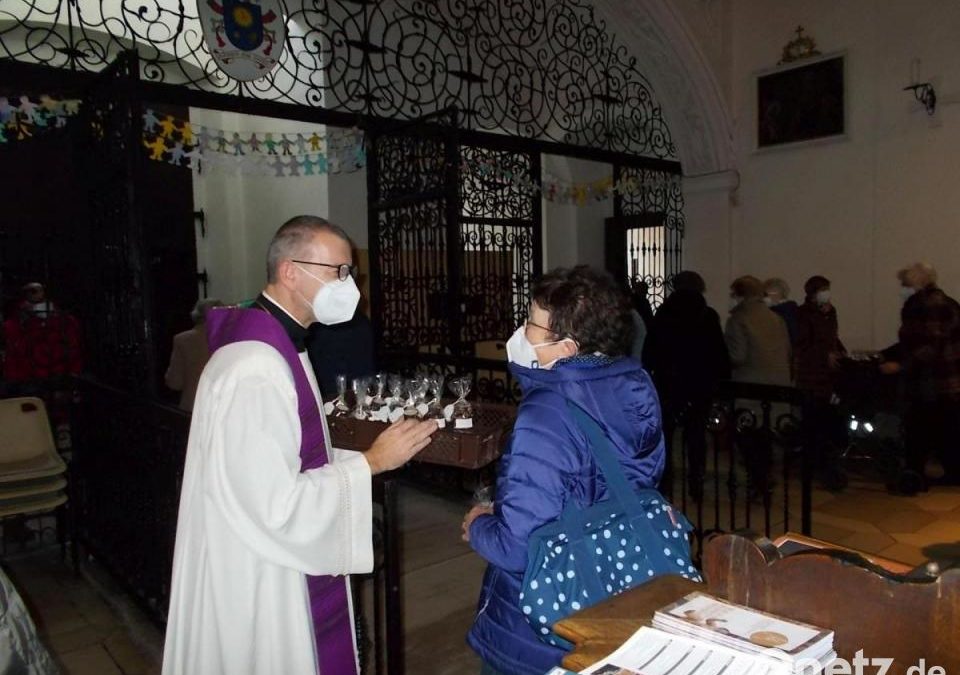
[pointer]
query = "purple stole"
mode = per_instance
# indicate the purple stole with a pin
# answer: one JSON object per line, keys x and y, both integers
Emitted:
{"x": 333, "y": 632}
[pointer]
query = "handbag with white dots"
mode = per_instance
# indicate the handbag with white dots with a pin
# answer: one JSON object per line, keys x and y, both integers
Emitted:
{"x": 588, "y": 555}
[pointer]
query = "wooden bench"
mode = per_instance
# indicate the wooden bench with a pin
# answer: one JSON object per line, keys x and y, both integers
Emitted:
{"x": 871, "y": 608}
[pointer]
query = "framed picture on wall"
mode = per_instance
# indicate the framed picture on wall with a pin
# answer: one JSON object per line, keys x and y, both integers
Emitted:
{"x": 801, "y": 102}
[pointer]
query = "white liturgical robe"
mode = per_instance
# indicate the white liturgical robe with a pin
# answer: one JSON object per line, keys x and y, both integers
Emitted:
{"x": 251, "y": 525}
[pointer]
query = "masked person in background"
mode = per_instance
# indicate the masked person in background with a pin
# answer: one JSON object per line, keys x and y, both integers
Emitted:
{"x": 573, "y": 347}
{"x": 42, "y": 348}
{"x": 817, "y": 353}
{"x": 41, "y": 340}
{"x": 686, "y": 356}
{"x": 759, "y": 348}
{"x": 757, "y": 338}
{"x": 928, "y": 356}
{"x": 272, "y": 518}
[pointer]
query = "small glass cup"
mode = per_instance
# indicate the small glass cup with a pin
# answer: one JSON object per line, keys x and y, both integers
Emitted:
{"x": 411, "y": 386}
{"x": 395, "y": 383}
{"x": 484, "y": 496}
{"x": 340, "y": 407}
{"x": 462, "y": 410}
{"x": 361, "y": 386}
{"x": 422, "y": 392}
{"x": 380, "y": 381}
{"x": 436, "y": 386}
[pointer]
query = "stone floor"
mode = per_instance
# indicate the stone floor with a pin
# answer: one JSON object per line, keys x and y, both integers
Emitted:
{"x": 87, "y": 623}
{"x": 93, "y": 630}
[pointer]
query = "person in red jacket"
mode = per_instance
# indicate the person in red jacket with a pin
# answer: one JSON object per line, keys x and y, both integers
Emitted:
{"x": 41, "y": 341}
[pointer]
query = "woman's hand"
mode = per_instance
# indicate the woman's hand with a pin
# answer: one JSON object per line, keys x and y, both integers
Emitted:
{"x": 471, "y": 516}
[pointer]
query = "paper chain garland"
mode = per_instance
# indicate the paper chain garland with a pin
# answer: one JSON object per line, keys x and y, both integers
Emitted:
{"x": 561, "y": 192}
{"x": 278, "y": 154}
{"x": 285, "y": 154}
{"x": 24, "y": 117}
{"x": 241, "y": 144}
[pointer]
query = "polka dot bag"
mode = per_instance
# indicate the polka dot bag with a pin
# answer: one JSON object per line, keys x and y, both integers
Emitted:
{"x": 588, "y": 555}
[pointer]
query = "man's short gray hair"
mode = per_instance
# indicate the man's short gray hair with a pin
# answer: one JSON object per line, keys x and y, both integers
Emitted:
{"x": 199, "y": 312}
{"x": 293, "y": 235}
{"x": 918, "y": 275}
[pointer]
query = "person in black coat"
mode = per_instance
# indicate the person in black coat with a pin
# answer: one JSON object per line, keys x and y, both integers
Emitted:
{"x": 342, "y": 349}
{"x": 686, "y": 355}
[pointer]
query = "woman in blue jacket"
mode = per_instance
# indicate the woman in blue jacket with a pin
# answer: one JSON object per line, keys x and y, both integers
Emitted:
{"x": 572, "y": 347}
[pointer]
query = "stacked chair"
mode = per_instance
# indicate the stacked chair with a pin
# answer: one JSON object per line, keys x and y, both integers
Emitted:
{"x": 32, "y": 474}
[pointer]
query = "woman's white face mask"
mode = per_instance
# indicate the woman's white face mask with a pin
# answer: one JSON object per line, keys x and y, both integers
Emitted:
{"x": 521, "y": 352}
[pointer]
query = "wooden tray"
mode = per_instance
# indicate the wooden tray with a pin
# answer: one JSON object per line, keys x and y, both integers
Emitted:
{"x": 467, "y": 449}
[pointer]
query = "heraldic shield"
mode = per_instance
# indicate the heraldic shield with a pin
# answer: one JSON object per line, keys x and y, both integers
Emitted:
{"x": 245, "y": 37}
{"x": 243, "y": 24}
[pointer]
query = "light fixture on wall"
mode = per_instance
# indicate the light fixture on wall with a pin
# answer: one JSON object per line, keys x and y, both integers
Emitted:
{"x": 922, "y": 91}
{"x": 925, "y": 94}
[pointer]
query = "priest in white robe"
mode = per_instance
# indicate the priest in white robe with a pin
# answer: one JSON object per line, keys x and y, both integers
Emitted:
{"x": 272, "y": 519}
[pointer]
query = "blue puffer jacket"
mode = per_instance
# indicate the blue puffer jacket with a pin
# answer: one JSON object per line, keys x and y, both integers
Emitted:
{"x": 548, "y": 463}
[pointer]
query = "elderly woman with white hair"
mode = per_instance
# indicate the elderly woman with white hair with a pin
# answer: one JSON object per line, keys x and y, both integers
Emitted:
{"x": 928, "y": 355}
{"x": 776, "y": 295}
{"x": 190, "y": 354}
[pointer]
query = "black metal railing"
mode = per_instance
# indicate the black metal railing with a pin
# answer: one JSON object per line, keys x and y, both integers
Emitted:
{"x": 743, "y": 462}
{"x": 127, "y": 467}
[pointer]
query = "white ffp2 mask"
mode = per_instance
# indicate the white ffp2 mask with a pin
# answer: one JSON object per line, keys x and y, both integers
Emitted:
{"x": 335, "y": 301}
{"x": 521, "y": 352}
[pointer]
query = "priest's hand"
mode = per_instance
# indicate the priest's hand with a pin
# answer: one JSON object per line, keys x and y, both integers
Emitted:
{"x": 398, "y": 444}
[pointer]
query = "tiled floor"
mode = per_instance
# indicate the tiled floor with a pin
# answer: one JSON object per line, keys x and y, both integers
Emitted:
{"x": 908, "y": 529}
{"x": 93, "y": 630}
{"x": 86, "y": 622}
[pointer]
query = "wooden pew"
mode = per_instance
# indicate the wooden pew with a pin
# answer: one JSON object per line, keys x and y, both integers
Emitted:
{"x": 871, "y": 608}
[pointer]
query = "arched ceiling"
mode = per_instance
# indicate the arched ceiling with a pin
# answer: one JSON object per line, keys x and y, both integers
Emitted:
{"x": 678, "y": 71}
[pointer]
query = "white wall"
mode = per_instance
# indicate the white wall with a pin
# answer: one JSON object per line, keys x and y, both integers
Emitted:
{"x": 854, "y": 210}
{"x": 347, "y": 204}
{"x": 572, "y": 234}
{"x": 707, "y": 244}
{"x": 243, "y": 211}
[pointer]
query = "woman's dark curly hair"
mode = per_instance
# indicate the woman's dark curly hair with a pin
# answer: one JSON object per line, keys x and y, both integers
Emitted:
{"x": 587, "y": 305}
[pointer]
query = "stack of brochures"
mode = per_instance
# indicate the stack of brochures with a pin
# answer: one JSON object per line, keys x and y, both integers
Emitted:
{"x": 703, "y": 617}
{"x": 703, "y": 635}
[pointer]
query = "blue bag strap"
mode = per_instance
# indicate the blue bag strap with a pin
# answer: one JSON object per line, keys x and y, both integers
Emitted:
{"x": 620, "y": 489}
{"x": 617, "y": 484}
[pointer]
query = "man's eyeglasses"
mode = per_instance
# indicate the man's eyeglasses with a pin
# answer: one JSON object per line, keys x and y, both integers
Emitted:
{"x": 343, "y": 271}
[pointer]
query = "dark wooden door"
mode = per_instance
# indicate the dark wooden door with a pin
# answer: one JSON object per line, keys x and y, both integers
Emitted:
{"x": 165, "y": 193}
{"x": 119, "y": 332}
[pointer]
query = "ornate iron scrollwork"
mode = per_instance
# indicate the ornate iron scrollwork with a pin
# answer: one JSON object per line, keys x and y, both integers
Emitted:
{"x": 497, "y": 239}
{"x": 654, "y": 257}
{"x": 532, "y": 68}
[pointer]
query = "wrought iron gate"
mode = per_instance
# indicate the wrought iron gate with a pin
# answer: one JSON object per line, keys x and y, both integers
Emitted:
{"x": 501, "y": 250}
{"x": 118, "y": 334}
{"x": 645, "y": 236}
{"x": 453, "y": 249}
